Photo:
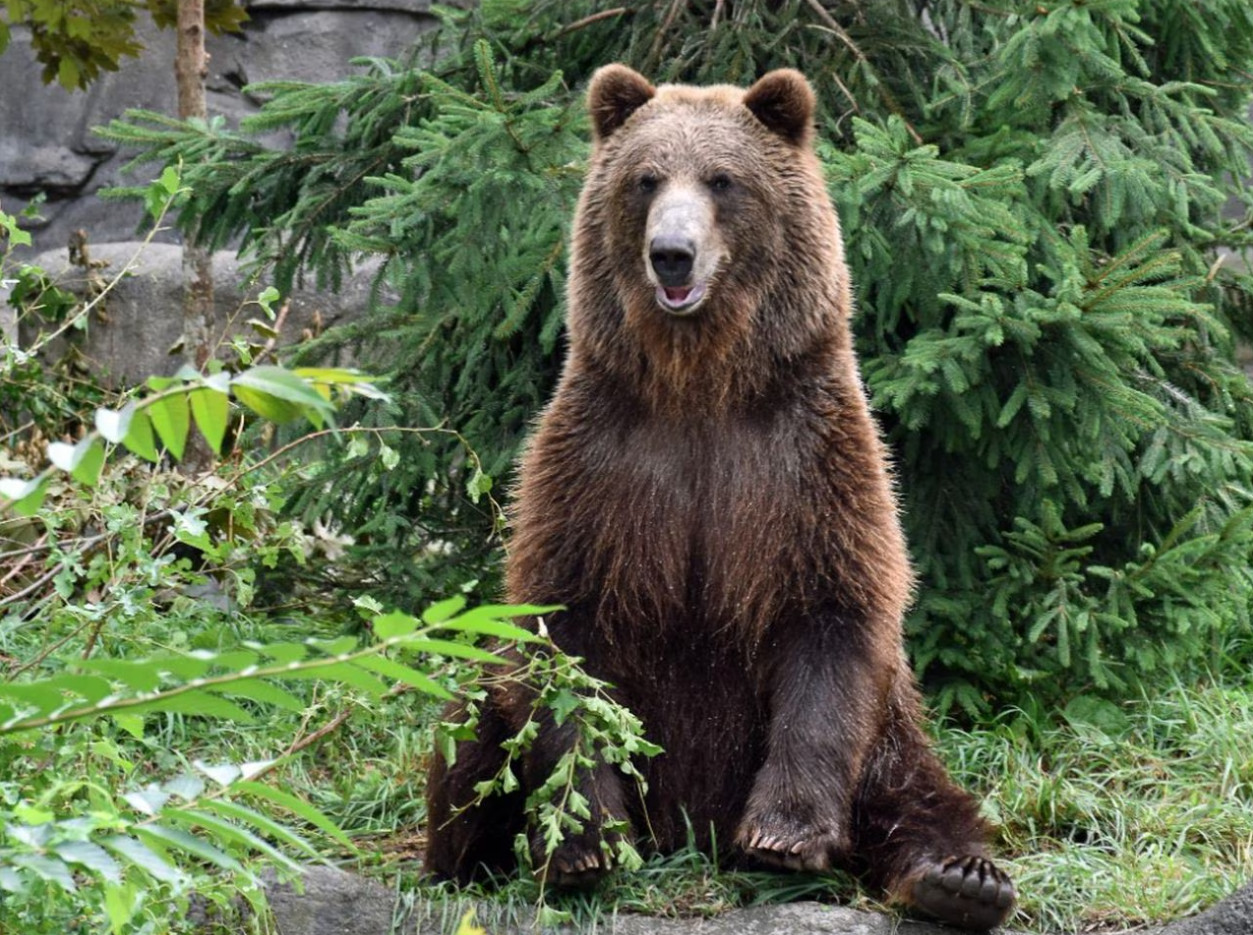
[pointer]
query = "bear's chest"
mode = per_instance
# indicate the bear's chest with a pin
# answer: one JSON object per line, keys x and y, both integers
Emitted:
{"x": 696, "y": 516}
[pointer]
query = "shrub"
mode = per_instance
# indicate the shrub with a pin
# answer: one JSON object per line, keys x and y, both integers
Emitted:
{"x": 1034, "y": 195}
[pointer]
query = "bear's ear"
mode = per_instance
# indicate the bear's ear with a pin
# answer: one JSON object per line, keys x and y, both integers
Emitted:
{"x": 615, "y": 93}
{"x": 784, "y": 102}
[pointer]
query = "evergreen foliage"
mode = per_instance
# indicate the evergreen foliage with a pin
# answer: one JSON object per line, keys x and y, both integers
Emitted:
{"x": 1033, "y": 193}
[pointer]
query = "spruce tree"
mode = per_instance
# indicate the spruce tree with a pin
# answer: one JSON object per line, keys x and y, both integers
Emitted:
{"x": 1035, "y": 196}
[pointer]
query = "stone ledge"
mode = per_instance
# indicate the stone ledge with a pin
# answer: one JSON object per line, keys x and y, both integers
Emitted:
{"x": 335, "y": 902}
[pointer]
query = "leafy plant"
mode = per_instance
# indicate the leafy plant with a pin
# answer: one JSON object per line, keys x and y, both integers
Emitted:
{"x": 1032, "y": 197}
{"x": 76, "y": 43}
{"x": 130, "y": 846}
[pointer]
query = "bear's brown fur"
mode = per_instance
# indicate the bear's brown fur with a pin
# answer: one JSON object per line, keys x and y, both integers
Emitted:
{"x": 708, "y": 497}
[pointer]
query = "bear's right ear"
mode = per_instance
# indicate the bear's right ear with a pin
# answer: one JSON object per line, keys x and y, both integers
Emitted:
{"x": 615, "y": 93}
{"x": 783, "y": 100}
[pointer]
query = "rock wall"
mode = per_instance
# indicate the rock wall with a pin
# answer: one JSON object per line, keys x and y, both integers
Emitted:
{"x": 47, "y": 147}
{"x": 46, "y": 139}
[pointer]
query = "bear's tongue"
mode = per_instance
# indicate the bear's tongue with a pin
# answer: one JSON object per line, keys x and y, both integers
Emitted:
{"x": 678, "y": 294}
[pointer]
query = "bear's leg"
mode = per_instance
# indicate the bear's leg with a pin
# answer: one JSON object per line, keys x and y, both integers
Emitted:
{"x": 826, "y": 693}
{"x": 581, "y": 858}
{"x": 919, "y": 835}
{"x": 464, "y": 840}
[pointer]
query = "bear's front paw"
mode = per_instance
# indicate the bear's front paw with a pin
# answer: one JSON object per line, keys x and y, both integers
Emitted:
{"x": 969, "y": 891}
{"x": 794, "y": 845}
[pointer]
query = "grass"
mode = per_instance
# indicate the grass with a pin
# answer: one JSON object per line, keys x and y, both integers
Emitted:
{"x": 1145, "y": 818}
{"x": 1109, "y": 817}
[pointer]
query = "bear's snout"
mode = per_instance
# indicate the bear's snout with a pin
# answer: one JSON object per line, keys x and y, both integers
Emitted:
{"x": 672, "y": 259}
{"x": 682, "y": 248}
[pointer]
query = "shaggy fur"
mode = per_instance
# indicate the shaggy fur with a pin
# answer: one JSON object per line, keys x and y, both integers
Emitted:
{"x": 708, "y": 497}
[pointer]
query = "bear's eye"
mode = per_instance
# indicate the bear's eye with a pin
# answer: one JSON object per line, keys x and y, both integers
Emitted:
{"x": 720, "y": 182}
{"x": 647, "y": 183}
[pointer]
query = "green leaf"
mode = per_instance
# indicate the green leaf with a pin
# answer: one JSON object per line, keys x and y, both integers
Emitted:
{"x": 139, "y": 437}
{"x": 396, "y": 623}
{"x": 11, "y": 881}
{"x": 170, "y": 418}
{"x": 398, "y": 672}
{"x": 8, "y": 223}
{"x": 169, "y": 180}
{"x": 283, "y": 653}
{"x": 486, "y": 620}
{"x": 150, "y": 801}
{"x": 270, "y": 408}
{"x": 120, "y": 903}
{"x": 223, "y": 830}
{"x": 1098, "y": 713}
{"x": 440, "y": 611}
{"x": 185, "y": 666}
{"x": 297, "y": 806}
{"x": 82, "y": 460}
{"x": 113, "y": 425}
{"x": 275, "y": 394}
{"x": 349, "y": 673}
{"x": 25, "y": 497}
{"x": 90, "y": 462}
{"x": 186, "y": 786}
{"x": 89, "y": 688}
{"x": 198, "y": 703}
{"x": 54, "y": 871}
{"x": 240, "y": 813}
{"x": 446, "y": 648}
{"x": 222, "y": 773}
{"x": 177, "y": 837}
{"x": 478, "y": 485}
{"x": 89, "y": 855}
{"x": 332, "y": 375}
{"x": 133, "y": 724}
{"x": 68, "y": 74}
{"x": 212, "y": 411}
{"x": 40, "y": 698}
{"x": 264, "y": 692}
{"x": 266, "y": 299}
{"x": 140, "y": 676}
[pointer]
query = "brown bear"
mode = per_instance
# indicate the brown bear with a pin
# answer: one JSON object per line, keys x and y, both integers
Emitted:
{"x": 708, "y": 498}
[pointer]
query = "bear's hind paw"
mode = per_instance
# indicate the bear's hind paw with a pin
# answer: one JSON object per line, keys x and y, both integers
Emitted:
{"x": 968, "y": 891}
{"x": 574, "y": 864}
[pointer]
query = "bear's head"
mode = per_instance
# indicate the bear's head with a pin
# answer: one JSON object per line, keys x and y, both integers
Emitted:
{"x": 705, "y": 245}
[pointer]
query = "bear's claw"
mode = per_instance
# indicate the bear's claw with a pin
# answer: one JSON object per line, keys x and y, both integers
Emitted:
{"x": 575, "y": 868}
{"x": 793, "y": 847}
{"x": 580, "y": 861}
{"x": 969, "y": 891}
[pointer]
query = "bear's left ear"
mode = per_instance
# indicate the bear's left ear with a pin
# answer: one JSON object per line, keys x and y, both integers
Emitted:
{"x": 614, "y": 94}
{"x": 784, "y": 102}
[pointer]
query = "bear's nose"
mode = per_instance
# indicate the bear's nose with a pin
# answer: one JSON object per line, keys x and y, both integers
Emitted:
{"x": 672, "y": 259}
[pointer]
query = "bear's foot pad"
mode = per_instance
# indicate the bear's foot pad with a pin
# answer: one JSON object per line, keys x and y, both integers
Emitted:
{"x": 967, "y": 891}
{"x": 791, "y": 847}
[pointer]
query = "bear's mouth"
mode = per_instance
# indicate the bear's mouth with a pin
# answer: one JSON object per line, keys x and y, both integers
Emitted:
{"x": 680, "y": 298}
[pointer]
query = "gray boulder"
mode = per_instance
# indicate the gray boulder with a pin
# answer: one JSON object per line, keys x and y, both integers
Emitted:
{"x": 333, "y": 902}
{"x": 128, "y": 336}
{"x": 1232, "y": 916}
{"x": 47, "y": 145}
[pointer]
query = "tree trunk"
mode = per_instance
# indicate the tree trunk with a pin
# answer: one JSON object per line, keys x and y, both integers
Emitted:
{"x": 191, "y": 65}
